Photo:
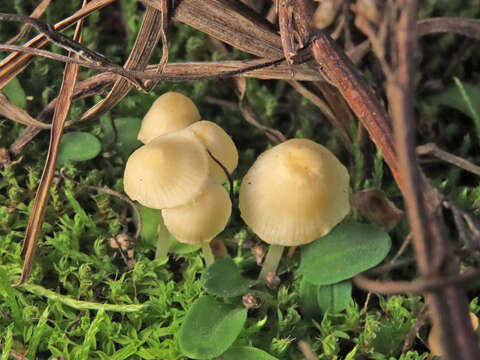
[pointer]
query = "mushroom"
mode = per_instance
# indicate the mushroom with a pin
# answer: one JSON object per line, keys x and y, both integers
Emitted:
{"x": 200, "y": 220}
{"x": 171, "y": 111}
{"x": 434, "y": 341}
{"x": 294, "y": 193}
{"x": 169, "y": 171}
{"x": 220, "y": 146}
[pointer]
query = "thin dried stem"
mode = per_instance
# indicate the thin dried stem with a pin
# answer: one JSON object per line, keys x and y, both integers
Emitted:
{"x": 422, "y": 286}
{"x": 37, "y": 215}
{"x": 433, "y": 149}
{"x": 15, "y": 63}
{"x": 39, "y": 10}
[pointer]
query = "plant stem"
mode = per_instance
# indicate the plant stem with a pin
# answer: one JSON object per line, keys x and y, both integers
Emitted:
{"x": 207, "y": 253}
{"x": 78, "y": 304}
{"x": 272, "y": 259}
{"x": 163, "y": 240}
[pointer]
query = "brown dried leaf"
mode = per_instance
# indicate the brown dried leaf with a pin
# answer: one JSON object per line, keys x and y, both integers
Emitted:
{"x": 39, "y": 10}
{"x": 17, "y": 114}
{"x": 37, "y": 215}
{"x": 146, "y": 42}
{"x": 15, "y": 63}
{"x": 376, "y": 207}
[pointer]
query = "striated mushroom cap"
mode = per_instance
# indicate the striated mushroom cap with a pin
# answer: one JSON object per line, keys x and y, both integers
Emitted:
{"x": 169, "y": 171}
{"x": 202, "y": 219}
{"x": 221, "y": 146}
{"x": 170, "y": 112}
{"x": 294, "y": 193}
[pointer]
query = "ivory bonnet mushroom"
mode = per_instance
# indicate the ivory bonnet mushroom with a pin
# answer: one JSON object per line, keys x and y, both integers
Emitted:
{"x": 171, "y": 111}
{"x": 220, "y": 145}
{"x": 200, "y": 220}
{"x": 294, "y": 193}
{"x": 169, "y": 171}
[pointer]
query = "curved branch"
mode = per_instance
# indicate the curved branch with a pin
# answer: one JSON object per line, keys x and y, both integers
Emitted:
{"x": 414, "y": 287}
{"x": 466, "y": 27}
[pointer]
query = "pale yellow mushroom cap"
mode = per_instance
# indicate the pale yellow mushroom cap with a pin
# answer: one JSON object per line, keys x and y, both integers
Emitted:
{"x": 171, "y": 111}
{"x": 434, "y": 342}
{"x": 294, "y": 193}
{"x": 169, "y": 171}
{"x": 220, "y": 144}
{"x": 202, "y": 219}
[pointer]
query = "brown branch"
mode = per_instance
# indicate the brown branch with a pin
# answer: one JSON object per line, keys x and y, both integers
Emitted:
{"x": 366, "y": 106}
{"x": 163, "y": 33}
{"x": 433, "y": 149}
{"x": 37, "y": 215}
{"x": 466, "y": 27}
{"x": 56, "y": 37}
{"x": 39, "y": 10}
{"x": 448, "y": 306}
{"x": 147, "y": 39}
{"x": 285, "y": 22}
{"x": 421, "y": 286}
{"x": 14, "y": 64}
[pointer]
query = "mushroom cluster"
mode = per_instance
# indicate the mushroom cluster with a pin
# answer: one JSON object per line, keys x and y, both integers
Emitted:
{"x": 180, "y": 171}
{"x": 294, "y": 193}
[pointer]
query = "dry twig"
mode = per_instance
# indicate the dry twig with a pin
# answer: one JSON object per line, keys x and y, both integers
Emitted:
{"x": 35, "y": 220}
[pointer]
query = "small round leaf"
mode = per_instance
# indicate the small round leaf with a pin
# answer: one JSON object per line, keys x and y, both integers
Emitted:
{"x": 15, "y": 93}
{"x": 246, "y": 353}
{"x": 150, "y": 220}
{"x": 210, "y": 328}
{"x": 308, "y": 298}
{"x": 347, "y": 250}
{"x": 127, "y": 132}
{"x": 334, "y": 297}
{"x": 223, "y": 278}
{"x": 78, "y": 146}
{"x": 176, "y": 247}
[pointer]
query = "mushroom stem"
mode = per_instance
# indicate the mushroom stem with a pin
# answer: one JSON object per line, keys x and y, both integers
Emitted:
{"x": 207, "y": 253}
{"x": 272, "y": 259}
{"x": 163, "y": 240}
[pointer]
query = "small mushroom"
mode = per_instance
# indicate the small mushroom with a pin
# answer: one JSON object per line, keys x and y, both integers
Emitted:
{"x": 294, "y": 193}
{"x": 169, "y": 171}
{"x": 200, "y": 220}
{"x": 220, "y": 145}
{"x": 434, "y": 341}
{"x": 170, "y": 112}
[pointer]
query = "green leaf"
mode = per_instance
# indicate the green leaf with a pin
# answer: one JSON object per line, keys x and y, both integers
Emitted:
{"x": 223, "y": 278}
{"x": 473, "y": 109}
{"x": 334, "y": 297}
{"x": 246, "y": 353}
{"x": 127, "y": 132}
{"x": 150, "y": 220}
{"x": 452, "y": 97}
{"x": 308, "y": 293}
{"x": 15, "y": 93}
{"x": 8, "y": 343}
{"x": 351, "y": 354}
{"x": 210, "y": 328}
{"x": 176, "y": 247}
{"x": 347, "y": 250}
{"x": 78, "y": 146}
